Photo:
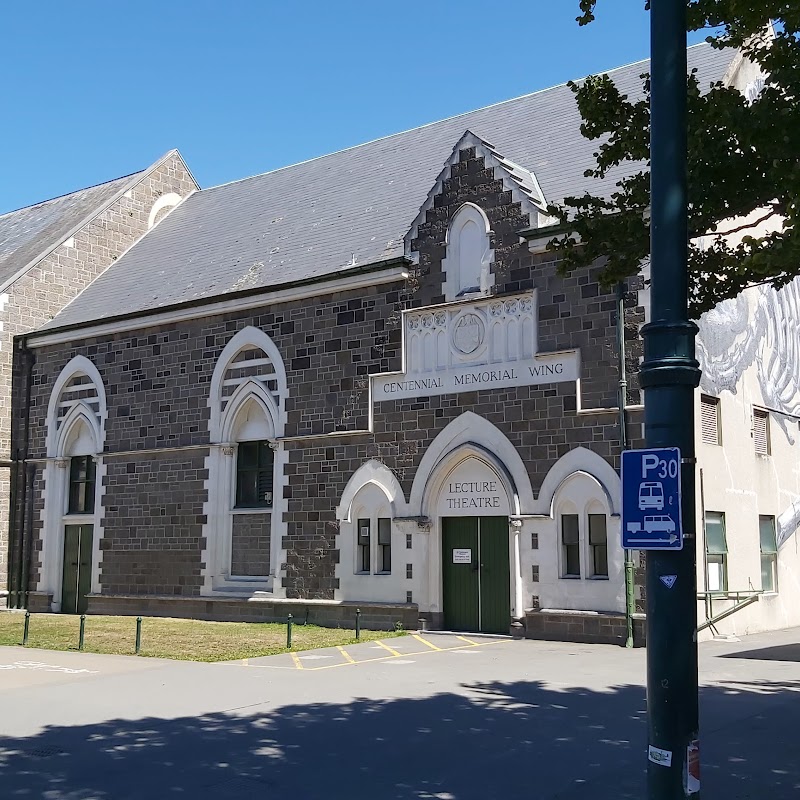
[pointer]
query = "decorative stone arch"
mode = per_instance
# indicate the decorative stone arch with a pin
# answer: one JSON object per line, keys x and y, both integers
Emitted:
{"x": 467, "y": 265}
{"x": 581, "y": 460}
{"x": 249, "y": 338}
{"x": 79, "y": 433}
{"x": 487, "y": 442}
{"x": 76, "y": 415}
{"x": 163, "y": 204}
{"x": 248, "y": 396}
{"x": 247, "y": 402}
{"x": 372, "y": 472}
{"x": 58, "y": 410}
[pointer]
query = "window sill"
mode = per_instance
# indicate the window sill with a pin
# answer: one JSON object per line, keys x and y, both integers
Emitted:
{"x": 265, "y": 510}
{"x": 384, "y": 573}
{"x": 570, "y": 577}
{"x": 81, "y": 516}
{"x": 597, "y": 578}
{"x": 362, "y": 572}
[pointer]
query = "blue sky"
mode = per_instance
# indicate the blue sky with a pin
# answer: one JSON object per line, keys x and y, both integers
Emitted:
{"x": 93, "y": 89}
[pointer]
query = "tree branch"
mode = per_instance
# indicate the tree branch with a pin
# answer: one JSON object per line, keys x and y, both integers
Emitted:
{"x": 744, "y": 226}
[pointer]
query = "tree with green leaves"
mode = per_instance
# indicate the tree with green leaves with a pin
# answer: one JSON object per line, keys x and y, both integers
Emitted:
{"x": 743, "y": 162}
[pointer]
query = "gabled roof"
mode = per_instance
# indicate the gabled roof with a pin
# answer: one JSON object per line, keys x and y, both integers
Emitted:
{"x": 522, "y": 183}
{"x": 29, "y": 234}
{"x": 348, "y": 209}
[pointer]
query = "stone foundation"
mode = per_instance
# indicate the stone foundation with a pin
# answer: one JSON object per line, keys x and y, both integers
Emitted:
{"x": 328, "y": 614}
{"x": 590, "y": 627}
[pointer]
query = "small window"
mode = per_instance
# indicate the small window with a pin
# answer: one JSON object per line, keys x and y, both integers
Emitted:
{"x": 81, "y": 485}
{"x": 384, "y": 545}
{"x": 709, "y": 420}
{"x": 570, "y": 539}
{"x": 769, "y": 554}
{"x": 716, "y": 553}
{"x": 598, "y": 544}
{"x": 254, "y": 475}
{"x": 761, "y": 431}
{"x": 363, "y": 549}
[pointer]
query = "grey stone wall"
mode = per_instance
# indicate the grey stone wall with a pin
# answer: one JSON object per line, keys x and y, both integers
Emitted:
{"x": 38, "y": 295}
{"x": 250, "y": 538}
{"x": 157, "y": 382}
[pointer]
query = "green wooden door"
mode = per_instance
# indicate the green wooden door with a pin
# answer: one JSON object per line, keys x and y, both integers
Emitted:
{"x": 476, "y": 579}
{"x": 460, "y": 583}
{"x": 77, "y": 574}
{"x": 495, "y": 575}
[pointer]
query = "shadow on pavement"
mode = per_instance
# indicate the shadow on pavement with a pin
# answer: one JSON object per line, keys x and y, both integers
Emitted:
{"x": 498, "y": 740}
{"x": 783, "y": 652}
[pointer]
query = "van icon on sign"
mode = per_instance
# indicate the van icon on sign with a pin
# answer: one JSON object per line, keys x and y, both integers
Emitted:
{"x": 651, "y": 495}
{"x": 659, "y": 523}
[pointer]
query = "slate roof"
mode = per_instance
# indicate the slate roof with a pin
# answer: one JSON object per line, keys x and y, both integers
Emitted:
{"x": 347, "y": 209}
{"x": 30, "y": 233}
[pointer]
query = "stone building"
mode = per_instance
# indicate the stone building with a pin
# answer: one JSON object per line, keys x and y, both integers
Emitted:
{"x": 50, "y": 251}
{"x": 359, "y": 381}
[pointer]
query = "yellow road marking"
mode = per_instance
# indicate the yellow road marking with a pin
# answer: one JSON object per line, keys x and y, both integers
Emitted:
{"x": 392, "y": 654}
{"x": 425, "y": 641}
{"x": 347, "y": 655}
{"x": 390, "y": 649}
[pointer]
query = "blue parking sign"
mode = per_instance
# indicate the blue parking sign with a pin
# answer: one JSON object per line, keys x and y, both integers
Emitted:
{"x": 651, "y": 499}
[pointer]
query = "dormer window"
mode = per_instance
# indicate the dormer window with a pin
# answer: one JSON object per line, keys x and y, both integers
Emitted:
{"x": 469, "y": 254}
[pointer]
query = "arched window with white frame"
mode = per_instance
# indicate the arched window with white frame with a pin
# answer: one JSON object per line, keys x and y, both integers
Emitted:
{"x": 581, "y": 510}
{"x": 244, "y": 524}
{"x": 467, "y": 265}
{"x": 73, "y": 487}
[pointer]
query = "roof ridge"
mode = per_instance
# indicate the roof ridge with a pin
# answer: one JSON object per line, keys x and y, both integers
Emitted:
{"x": 434, "y": 122}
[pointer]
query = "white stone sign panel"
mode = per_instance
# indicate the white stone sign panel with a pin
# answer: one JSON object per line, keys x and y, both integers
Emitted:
{"x": 462, "y": 347}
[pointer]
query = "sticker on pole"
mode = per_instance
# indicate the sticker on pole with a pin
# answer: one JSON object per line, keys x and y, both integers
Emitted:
{"x": 668, "y": 580}
{"x": 651, "y": 499}
{"x": 659, "y": 756}
{"x": 692, "y": 782}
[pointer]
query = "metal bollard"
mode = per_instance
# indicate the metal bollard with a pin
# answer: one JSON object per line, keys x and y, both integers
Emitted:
{"x": 358, "y": 624}
{"x": 138, "y": 635}
{"x": 289, "y": 632}
{"x": 25, "y": 629}
{"x": 82, "y": 631}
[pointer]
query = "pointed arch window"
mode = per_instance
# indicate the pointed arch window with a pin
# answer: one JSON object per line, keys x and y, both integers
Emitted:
{"x": 467, "y": 266}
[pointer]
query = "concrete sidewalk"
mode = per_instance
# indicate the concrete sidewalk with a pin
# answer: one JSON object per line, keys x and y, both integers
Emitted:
{"x": 503, "y": 719}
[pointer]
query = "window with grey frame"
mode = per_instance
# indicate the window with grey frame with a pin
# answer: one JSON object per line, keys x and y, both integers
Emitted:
{"x": 81, "y": 485}
{"x": 716, "y": 552}
{"x": 255, "y": 464}
{"x": 363, "y": 549}
{"x": 384, "y": 545}
{"x": 598, "y": 545}
{"x": 769, "y": 553}
{"x": 710, "y": 432}
{"x": 761, "y": 431}
{"x": 570, "y": 546}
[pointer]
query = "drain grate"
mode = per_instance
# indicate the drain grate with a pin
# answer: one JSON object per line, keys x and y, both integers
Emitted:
{"x": 46, "y": 752}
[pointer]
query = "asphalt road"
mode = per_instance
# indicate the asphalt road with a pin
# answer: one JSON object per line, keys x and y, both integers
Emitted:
{"x": 436, "y": 716}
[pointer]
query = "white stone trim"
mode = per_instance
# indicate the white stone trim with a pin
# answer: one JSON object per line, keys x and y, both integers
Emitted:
{"x": 468, "y": 212}
{"x": 579, "y": 460}
{"x": 79, "y": 365}
{"x": 471, "y": 429}
{"x": 184, "y": 314}
{"x": 221, "y": 465}
{"x": 169, "y": 200}
{"x": 379, "y": 474}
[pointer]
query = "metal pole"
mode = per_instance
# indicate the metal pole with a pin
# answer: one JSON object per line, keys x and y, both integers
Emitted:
{"x": 630, "y": 601}
{"x": 289, "y": 632}
{"x": 82, "y": 631}
{"x": 26, "y": 628}
{"x": 358, "y": 624}
{"x": 669, "y": 375}
{"x": 138, "y": 635}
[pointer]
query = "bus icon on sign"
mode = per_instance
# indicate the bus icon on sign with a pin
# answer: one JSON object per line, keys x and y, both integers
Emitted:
{"x": 651, "y": 495}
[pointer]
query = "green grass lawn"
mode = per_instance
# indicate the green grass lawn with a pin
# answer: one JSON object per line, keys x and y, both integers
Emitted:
{"x": 188, "y": 639}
